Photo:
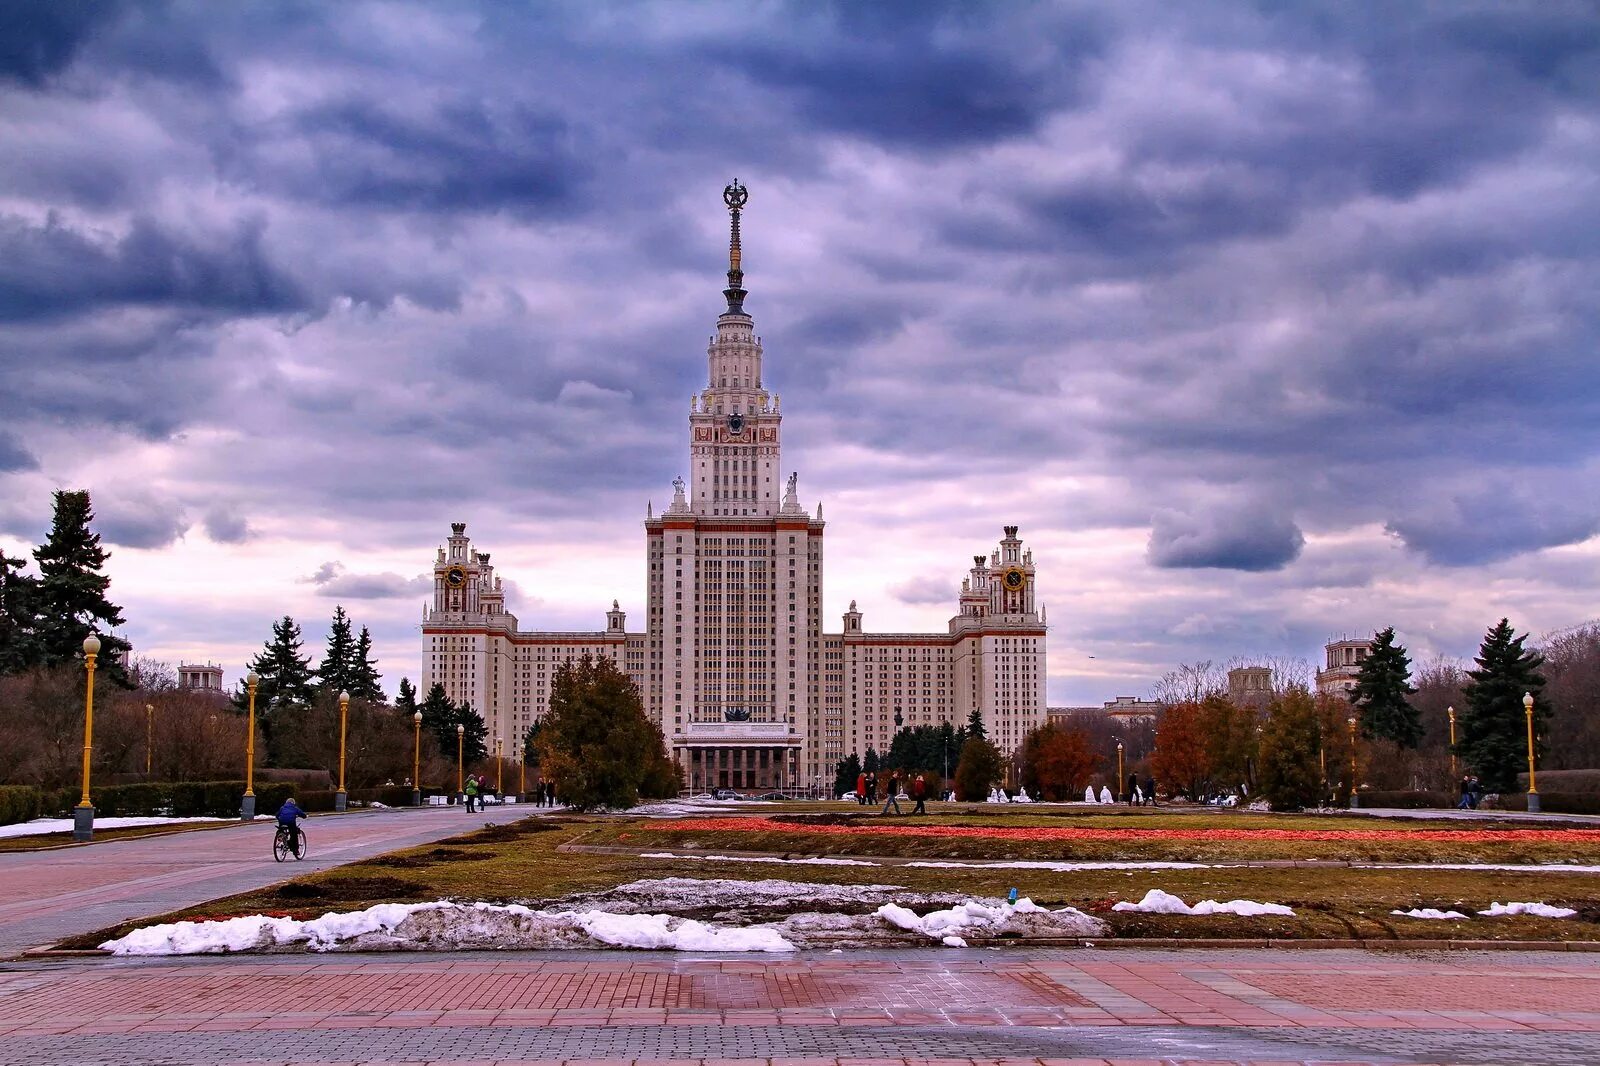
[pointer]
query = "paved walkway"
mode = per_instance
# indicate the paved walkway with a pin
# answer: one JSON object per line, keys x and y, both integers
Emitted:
{"x": 940, "y": 1006}
{"x": 50, "y": 895}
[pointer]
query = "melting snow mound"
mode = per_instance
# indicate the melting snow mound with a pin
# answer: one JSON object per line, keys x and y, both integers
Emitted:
{"x": 1538, "y": 910}
{"x": 1430, "y": 912}
{"x": 1022, "y": 918}
{"x": 1158, "y": 902}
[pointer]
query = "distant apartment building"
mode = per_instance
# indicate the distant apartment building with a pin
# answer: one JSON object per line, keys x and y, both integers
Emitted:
{"x": 1343, "y": 665}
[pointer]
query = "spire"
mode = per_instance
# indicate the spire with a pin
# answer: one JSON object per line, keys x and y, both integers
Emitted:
{"x": 735, "y": 196}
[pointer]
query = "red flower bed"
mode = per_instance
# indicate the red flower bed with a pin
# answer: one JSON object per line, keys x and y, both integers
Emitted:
{"x": 1467, "y": 836}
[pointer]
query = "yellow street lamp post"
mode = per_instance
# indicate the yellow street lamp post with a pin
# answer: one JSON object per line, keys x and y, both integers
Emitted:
{"x": 1533, "y": 786}
{"x": 1450, "y": 712}
{"x": 149, "y": 735}
{"x": 416, "y": 760}
{"x": 247, "y": 810}
{"x": 1354, "y": 799}
{"x": 83, "y": 813}
{"x": 499, "y": 769}
{"x": 460, "y": 766}
{"x": 1120, "y": 778}
{"x": 341, "y": 799}
{"x": 522, "y": 773}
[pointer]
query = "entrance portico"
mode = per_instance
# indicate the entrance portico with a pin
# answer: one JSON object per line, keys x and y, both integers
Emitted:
{"x": 742, "y": 755}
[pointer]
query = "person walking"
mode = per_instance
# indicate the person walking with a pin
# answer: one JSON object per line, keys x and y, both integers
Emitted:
{"x": 1150, "y": 790}
{"x": 550, "y": 789}
{"x": 1133, "y": 787}
{"x": 861, "y": 788}
{"x": 872, "y": 788}
{"x": 472, "y": 793}
{"x": 892, "y": 793}
{"x": 919, "y": 792}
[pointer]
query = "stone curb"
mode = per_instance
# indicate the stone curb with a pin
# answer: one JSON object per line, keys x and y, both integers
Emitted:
{"x": 231, "y": 823}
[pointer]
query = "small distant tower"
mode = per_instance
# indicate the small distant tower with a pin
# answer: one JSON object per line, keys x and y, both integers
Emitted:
{"x": 1343, "y": 667}
{"x": 1250, "y": 686}
{"x": 616, "y": 619}
{"x": 200, "y": 677}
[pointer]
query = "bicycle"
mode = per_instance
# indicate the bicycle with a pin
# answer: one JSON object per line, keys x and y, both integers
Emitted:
{"x": 286, "y": 843}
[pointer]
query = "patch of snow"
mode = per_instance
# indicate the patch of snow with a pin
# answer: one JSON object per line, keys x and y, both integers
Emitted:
{"x": 448, "y": 925}
{"x": 1538, "y": 910}
{"x": 1533, "y": 868}
{"x": 703, "y": 804}
{"x": 1158, "y": 902}
{"x": 953, "y": 942}
{"x": 762, "y": 858}
{"x": 658, "y": 931}
{"x": 42, "y": 826}
{"x": 1059, "y": 867}
{"x": 983, "y": 919}
{"x": 1430, "y": 912}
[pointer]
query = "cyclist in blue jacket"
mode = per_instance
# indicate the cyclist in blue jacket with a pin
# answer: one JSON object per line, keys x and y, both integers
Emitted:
{"x": 288, "y": 818}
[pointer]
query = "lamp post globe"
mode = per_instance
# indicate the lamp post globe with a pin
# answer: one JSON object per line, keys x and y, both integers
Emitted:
{"x": 461, "y": 731}
{"x": 1354, "y": 798}
{"x": 341, "y": 799}
{"x": 1533, "y": 786}
{"x": 83, "y": 813}
{"x": 416, "y": 759}
{"x": 247, "y": 808}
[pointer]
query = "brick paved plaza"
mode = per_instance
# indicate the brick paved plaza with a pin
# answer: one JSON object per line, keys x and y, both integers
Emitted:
{"x": 62, "y": 892}
{"x": 913, "y": 1006}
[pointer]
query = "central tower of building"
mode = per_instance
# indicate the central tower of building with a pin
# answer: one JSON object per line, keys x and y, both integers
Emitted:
{"x": 735, "y": 575}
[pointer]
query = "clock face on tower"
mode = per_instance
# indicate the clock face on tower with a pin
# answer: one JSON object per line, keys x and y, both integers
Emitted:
{"x": 455, "y": 577}
{"x": 736, "y": 423}
{"x": 1013, "y": 579}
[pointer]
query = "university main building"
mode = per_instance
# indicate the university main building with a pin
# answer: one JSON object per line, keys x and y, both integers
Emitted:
{"x": 733, "y": 663}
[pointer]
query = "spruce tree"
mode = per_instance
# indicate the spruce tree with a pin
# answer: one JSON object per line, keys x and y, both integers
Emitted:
{"x": 1381, "y": 692}
{"x": 475, "y": 735}
{"x": 1493, "y": 736}
{"x": 365, "y": 681}
{"x": 337, "y": 672}
{"x": 71, "y": 596}
{"x": 596, "y": 742}
{"x": 870, "y": 763}
{"x": 975, "y": 725}
{"x": 439, "y": 718}
{"x": 406, "y": 701}
{"x": 19, "y": 648}
{"x": 283, "y": 668}
{"x": 979, "y": 770}
{"x": 1291, "y": 774}
{"x": 845, "y": 774}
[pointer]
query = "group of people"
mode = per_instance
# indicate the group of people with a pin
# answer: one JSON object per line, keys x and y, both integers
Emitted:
{"x": 1140, "y": 797}
{"x": 1471, "y": 793}
{"x": 478, "y": 790}
{"x": 915, "y": 789}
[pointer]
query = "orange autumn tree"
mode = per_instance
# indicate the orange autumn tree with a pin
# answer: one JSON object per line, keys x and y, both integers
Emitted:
{"x": 1180, "y": 761}
{"x": 1057, "y": 762}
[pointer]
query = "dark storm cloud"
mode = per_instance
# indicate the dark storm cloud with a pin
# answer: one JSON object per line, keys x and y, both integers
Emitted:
{"x": 1224, "y": 537}
{"x": 13, "y": 456}
{"x": 335, "y": 582}
{"x": 1079, "y": 264}
{"x": 52, "y": 269}
{"x": 934, "y": 77}
{"x": 226, "y": 526}
{"x": 39, "y": 38}
{"x": 138, "y": 520}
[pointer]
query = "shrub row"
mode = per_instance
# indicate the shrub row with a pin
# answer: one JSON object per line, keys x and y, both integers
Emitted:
{"x": 20, "y": 803}
{"x": 1406, "y": 799}
{"x": 1563, "y": 781}
{"x": 1553, "y": 802}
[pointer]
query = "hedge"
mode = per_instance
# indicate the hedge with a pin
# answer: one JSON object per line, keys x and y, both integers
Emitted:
{"x": 1563, "y": 781}
{"x": 1551, "y": 802}
{"x": 1407, "y": 799}
{"x": 20, "y": 803}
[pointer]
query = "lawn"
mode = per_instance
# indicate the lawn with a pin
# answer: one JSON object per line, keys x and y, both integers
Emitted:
{"x": 525, "y": 862}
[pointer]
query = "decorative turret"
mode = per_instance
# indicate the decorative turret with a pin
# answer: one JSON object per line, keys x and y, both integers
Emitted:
{"x": 735, "y": 196}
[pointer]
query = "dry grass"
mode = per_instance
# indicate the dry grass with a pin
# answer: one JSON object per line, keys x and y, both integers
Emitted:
{"x": 521, "y": 862}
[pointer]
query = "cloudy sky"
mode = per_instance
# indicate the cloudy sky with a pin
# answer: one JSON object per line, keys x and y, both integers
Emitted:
{"x": 1266, "y": 322}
